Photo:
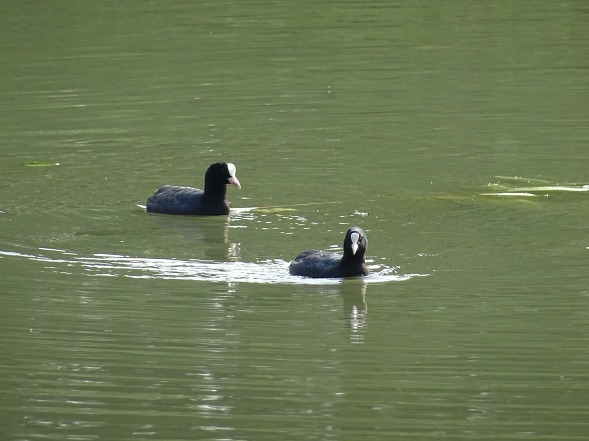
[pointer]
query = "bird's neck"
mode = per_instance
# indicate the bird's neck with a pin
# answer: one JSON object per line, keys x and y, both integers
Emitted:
{"x": 349, "y": 257}
{"x": 214, "y": 190}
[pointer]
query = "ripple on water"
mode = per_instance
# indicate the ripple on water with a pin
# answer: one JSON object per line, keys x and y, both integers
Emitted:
{"x": 267, "y": 271}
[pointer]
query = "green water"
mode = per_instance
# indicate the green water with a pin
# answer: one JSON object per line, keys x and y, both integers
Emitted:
{"x": 401, "y": 118}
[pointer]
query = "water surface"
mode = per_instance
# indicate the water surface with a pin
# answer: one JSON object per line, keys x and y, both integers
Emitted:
{"x": 454, "y": 133}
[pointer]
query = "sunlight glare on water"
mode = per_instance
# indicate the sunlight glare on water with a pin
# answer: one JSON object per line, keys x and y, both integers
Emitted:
{"x": 270, "y": 271}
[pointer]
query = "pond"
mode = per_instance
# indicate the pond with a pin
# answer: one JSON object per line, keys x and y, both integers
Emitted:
{"x": 454, "y": 133}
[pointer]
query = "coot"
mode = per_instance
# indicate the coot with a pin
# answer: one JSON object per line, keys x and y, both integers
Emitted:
{"x": 321, "y": 264}
{"x": 171, "y": 199}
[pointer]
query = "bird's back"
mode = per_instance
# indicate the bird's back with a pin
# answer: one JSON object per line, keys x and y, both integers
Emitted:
{"x": 314, "y": 263}
{"x": 172, "y": 199}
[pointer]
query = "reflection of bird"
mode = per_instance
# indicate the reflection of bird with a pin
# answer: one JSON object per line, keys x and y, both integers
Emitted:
{"x": 172, "y": 199}
{"x": 353, "y": 293}
{"x": 321, "y": 264}
{"x": 208, "y": 239}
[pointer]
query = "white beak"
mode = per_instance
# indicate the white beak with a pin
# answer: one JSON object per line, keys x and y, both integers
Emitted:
{"x": 233, "y": 180}
{"x": 354, "y": 237}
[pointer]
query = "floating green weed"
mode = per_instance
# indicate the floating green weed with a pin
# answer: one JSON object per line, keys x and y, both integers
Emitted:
{"x": 41, "y": 164}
